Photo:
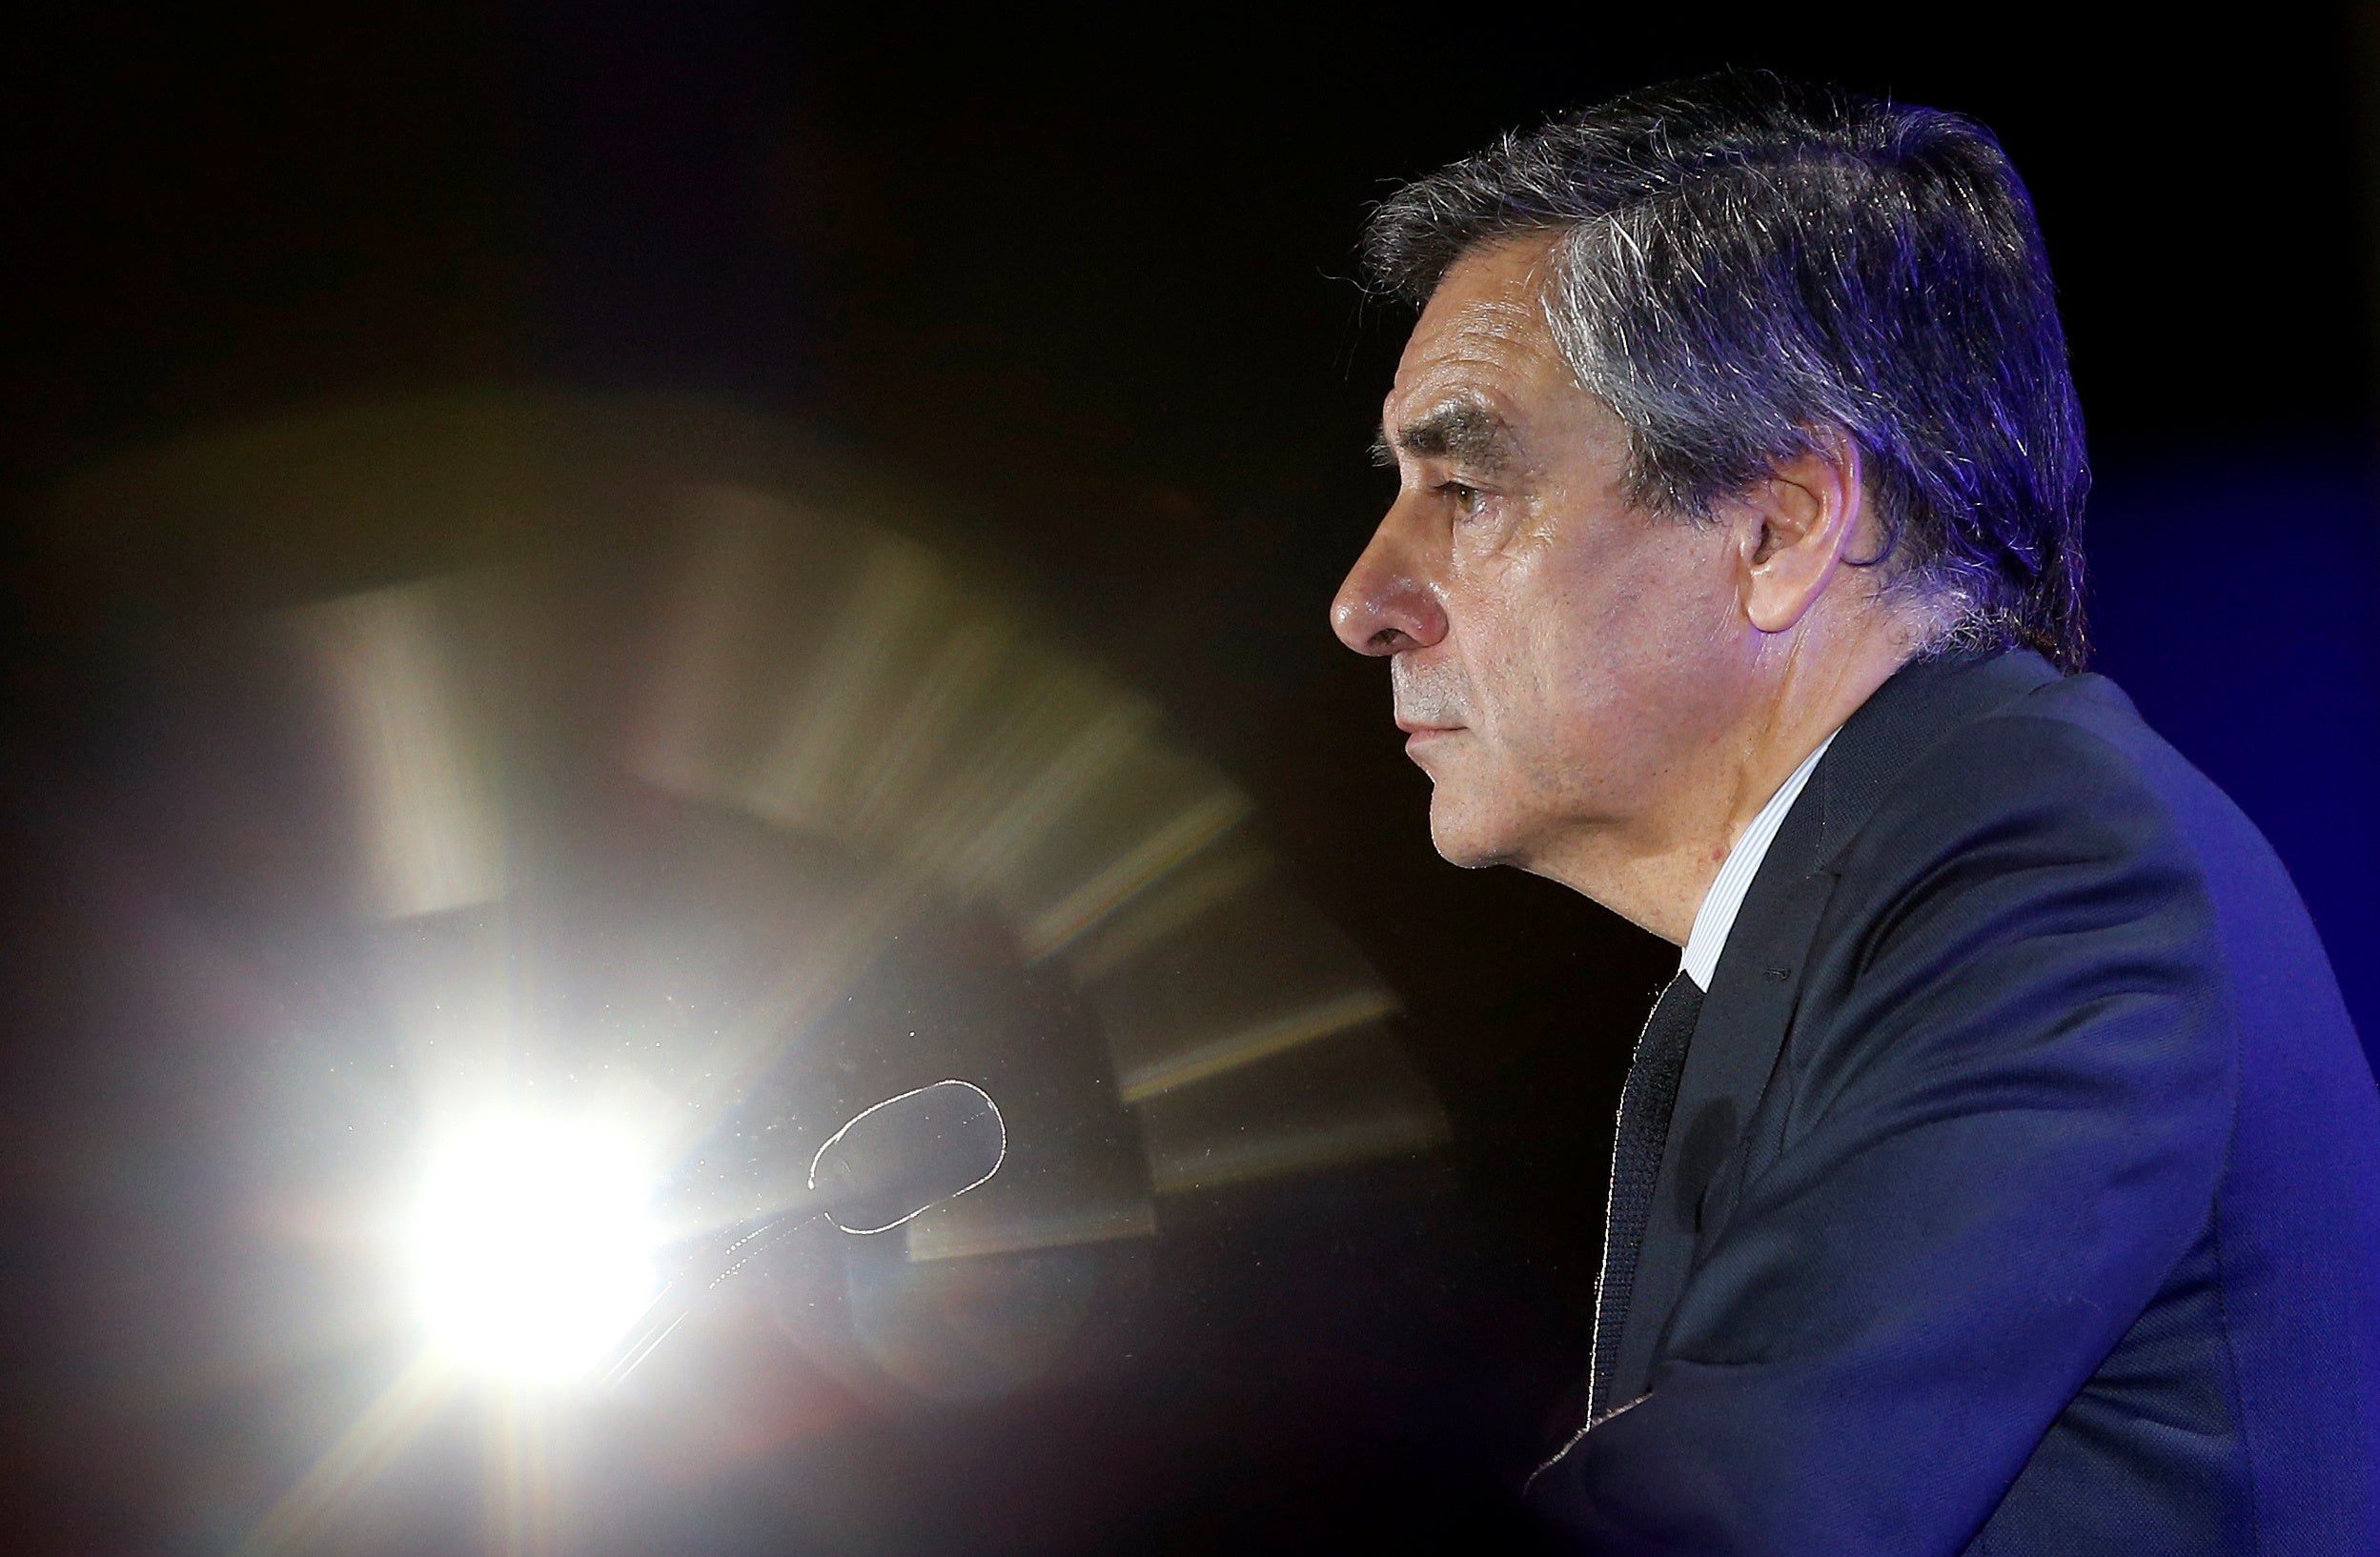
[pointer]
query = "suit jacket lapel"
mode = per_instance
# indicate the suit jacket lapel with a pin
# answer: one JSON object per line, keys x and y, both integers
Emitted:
{"x": 1749, "y": 1007}
{"x": 1728, "y": 1062}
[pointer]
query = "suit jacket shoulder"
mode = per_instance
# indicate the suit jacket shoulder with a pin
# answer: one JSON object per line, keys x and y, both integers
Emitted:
{"x": 2022, "y": 1143}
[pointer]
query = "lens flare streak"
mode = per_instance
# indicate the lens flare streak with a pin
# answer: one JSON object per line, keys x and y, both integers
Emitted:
{"x": 376, "y": 1437}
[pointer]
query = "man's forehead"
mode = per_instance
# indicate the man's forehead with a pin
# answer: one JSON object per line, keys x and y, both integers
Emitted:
{"x": 1471, "y": 378}
{"x": 1494, "y": 293}
{"x": 1482, "y": 340}
{"x": 1496, "y": 335}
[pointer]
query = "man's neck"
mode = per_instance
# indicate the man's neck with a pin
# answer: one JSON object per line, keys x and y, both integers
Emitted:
{"x": 1654, "y": 870}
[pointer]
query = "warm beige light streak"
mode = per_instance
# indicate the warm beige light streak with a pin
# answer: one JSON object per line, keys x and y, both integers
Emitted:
{"x": 431, "y": 836}
{"x": 1171, "y": 905}
{"x": 704, "y": 635}
{"x": 967, "y": 1237}
{"x": 919, "y": 733}
{"x": 523, "y": 1507}
{"x": 1031, "y": 794}
{"x": 1200, "y": 1060}
{"x": 1170, "y": 844}
{"x": 837, "y": 707}
{"x": 1236, "y": 1160}
{"x": 367, "y": 1447}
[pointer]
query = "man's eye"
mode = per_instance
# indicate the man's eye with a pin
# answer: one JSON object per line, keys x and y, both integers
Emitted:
{"x": 1464, "y": 496}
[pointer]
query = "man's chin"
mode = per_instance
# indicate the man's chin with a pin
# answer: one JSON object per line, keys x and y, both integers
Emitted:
{"x": 1463, "y": 839}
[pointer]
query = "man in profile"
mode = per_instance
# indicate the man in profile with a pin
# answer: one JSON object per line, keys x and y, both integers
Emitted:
{"x": 2000, "y": 1172}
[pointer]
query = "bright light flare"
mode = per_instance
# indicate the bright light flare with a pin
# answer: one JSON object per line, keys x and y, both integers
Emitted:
{"x": 533, "y": 1245}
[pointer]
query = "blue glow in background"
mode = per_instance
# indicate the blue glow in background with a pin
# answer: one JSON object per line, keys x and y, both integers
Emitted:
{"x": 2233, "y": 598}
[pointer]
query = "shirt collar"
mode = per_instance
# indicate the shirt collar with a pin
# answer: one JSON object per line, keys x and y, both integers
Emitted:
{"x": 1717, "y": 914}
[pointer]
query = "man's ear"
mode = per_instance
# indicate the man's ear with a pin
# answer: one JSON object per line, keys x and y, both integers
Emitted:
{"x": 1795, "y": 527}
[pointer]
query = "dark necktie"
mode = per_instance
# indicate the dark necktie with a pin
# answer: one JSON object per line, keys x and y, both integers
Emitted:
{"x": 1646, "y": 1102}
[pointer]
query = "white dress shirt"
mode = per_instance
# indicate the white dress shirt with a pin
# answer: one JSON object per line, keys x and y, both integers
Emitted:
{"x": 1717, "y": 914}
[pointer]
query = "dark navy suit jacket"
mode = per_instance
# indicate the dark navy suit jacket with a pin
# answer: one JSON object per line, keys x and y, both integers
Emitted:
{"x": 2023, "y": 1193}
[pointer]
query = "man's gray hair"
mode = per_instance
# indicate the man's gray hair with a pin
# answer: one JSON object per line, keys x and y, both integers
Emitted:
{"x": 1743, "y": 265}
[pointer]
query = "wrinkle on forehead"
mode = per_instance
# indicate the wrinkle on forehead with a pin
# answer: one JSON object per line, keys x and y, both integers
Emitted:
{"x": 1493, "y": 296}
{"x": 1483, "y": 340}
{"x": 1499, "y": 332}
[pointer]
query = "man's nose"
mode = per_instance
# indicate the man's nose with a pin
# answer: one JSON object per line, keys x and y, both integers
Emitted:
{"x": 1386, "y": 604}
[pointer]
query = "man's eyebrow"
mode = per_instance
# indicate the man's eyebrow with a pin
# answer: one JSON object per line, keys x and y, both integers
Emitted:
{"x": 1463, "y": 431}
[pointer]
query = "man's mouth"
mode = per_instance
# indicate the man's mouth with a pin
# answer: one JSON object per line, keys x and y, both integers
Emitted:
{"x": 1418, "y": 734}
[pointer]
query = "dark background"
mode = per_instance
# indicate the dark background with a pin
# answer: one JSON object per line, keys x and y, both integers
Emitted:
{"x": 1089, "y": 280}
